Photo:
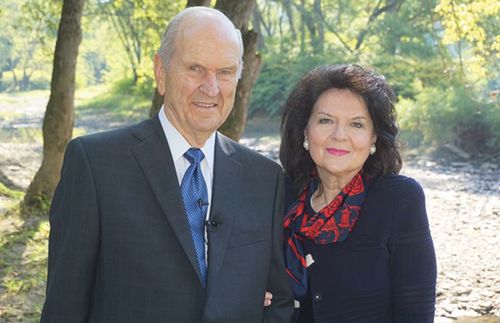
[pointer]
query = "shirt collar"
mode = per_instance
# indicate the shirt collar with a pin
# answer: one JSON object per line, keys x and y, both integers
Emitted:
{"x": 179, "y": 145}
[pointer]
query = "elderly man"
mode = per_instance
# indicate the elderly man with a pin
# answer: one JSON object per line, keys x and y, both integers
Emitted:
{"x": 168, "y": 220}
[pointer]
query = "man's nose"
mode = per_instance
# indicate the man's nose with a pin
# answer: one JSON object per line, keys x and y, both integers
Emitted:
{"x": 210, "y": 84}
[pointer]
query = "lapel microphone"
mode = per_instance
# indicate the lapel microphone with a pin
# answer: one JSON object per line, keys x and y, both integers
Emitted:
{"x": 212, "y": 224}
{"x": 202, "y": 203}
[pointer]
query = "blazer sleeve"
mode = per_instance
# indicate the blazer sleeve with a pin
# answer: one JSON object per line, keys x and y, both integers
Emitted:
{"x": 281, "y": 307}
{"x": 73, "y": 240}
{"x": 413, "y": 261}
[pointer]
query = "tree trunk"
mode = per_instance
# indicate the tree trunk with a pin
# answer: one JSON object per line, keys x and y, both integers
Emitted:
{"x": 235, "y": 123}
{"x": 320, "y": 41}
{"x": 25, "y": 81}
{"x": 157, "y": 101}
{"x": 14, "y": 79}
{"x": 59, "y": 114}
{"x": 240, "y": 12}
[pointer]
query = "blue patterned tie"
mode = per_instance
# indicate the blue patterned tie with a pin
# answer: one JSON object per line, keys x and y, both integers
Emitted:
{"x": 194, "y": 194}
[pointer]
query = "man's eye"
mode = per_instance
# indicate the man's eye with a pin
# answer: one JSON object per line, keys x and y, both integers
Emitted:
{"x": 195, "y": 68}
{"x": 226, "y": 72}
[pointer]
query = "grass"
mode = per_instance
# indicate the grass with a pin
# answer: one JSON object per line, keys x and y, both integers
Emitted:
{"x": 122, "y": 102}
{"x": 21, "y": 135}
{"x": 9, "y": 116}
{"x": 10, "y": 193}
{"x": 23, "y": 262}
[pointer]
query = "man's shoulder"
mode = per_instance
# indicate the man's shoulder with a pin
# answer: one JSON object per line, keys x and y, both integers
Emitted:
{"x": 122, "y": 135}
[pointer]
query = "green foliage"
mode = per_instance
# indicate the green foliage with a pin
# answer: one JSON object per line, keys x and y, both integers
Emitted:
{"x": 137, "y": 26}
{"x": 450, "y": 115}
{"x": 27, "y": 39}
{"x": 277, "y": 77}
{"x": 440, "y": 56}
{"x": 476, "y": 24}
{"x": 421, "y": 47}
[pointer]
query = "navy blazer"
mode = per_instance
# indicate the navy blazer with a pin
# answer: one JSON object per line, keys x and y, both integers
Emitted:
{"x": 385, "y": 271}
{"x": 120, "y": 247}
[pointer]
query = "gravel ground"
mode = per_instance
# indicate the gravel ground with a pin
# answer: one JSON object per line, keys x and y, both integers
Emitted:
{"x": 463, "y": 204}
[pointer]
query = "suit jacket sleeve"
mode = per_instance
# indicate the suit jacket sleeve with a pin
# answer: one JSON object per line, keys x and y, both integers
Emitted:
{"x": 281, "y": 308}
{"x": 413, "y": 261}
{"x": 73, "y": 241}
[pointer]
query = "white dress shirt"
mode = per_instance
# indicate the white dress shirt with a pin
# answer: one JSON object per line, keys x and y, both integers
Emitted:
{"x": 179, "y": 145}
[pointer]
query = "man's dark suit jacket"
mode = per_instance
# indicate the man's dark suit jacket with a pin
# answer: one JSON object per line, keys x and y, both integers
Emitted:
{"x": 120, "y": 247}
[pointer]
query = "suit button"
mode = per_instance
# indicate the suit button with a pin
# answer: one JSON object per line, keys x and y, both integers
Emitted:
{"x": 318, "y": 297}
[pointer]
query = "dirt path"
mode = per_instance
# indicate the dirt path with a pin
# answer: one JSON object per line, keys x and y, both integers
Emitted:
{"x": 463, "y": 203}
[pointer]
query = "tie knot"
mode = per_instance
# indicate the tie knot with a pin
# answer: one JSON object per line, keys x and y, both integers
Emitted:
{"x": 194, "y": 155}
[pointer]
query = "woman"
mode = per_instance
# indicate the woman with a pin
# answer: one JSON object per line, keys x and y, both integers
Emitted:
{"x": 358, "y": 243}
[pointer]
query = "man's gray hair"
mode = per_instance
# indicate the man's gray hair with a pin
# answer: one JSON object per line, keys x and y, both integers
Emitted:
{"x": 167, "y": 45}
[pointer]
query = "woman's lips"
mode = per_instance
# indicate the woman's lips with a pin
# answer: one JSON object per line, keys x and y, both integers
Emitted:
{"x": 337, "y": 152}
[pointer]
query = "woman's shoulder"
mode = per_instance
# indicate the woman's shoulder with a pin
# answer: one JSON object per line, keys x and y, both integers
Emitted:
{"x": 406, "y": 198}
{"x": 397, "y": 184}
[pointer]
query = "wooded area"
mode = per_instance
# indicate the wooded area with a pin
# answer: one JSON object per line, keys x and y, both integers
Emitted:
{"x": 441, "y": 57}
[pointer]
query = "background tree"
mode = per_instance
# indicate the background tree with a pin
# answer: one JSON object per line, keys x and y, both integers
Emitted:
{"x": 138, "y": 24}
{"x": 240, "y": 13}
{"x": 59, "y": 115}
{"x": 446, "y": 49}
{"x": 29, "y": 32}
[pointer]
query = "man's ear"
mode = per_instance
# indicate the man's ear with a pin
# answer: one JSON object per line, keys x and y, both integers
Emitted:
{"x": 159, "y": 74}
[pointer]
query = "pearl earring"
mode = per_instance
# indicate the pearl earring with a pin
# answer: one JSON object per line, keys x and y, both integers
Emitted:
{"x": 306, "y": 144}
{"x": 373, "y": 149}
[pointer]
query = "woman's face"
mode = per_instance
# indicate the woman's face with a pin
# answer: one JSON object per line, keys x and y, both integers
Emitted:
{"x": 340, "y": 133}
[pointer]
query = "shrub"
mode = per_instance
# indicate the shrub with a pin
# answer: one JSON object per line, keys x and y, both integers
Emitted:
{"x": 439, "y": 116}
{"x": 278, "y": 76}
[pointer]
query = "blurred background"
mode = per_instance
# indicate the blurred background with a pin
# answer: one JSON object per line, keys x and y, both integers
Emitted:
{"x": 440, "y": 56}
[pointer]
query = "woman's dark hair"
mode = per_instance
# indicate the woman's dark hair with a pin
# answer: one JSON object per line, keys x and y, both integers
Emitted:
{"x": 378, "y": 97}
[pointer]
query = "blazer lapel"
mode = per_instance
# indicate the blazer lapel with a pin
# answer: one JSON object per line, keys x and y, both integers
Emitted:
{"x": 154, "y": 157}
{"x": 227, "y": 172}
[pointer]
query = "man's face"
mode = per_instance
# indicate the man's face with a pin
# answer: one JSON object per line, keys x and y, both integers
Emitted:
{"x": 200, "y": 81}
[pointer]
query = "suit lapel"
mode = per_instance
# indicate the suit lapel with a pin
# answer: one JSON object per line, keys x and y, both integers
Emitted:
{"x": 154, "y": 157}
{"x": 227, "y": 173}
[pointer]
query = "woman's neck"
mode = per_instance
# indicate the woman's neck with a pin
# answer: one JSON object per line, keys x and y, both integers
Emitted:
{"x": 329, "y": 187}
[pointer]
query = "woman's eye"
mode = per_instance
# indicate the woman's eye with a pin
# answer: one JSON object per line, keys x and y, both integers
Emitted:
{"x": 358, "y": 125}
{"x": 324, "y": 121}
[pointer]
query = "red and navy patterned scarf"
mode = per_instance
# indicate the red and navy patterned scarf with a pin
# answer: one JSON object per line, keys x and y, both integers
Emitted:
{"x": 330, "y": 225}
